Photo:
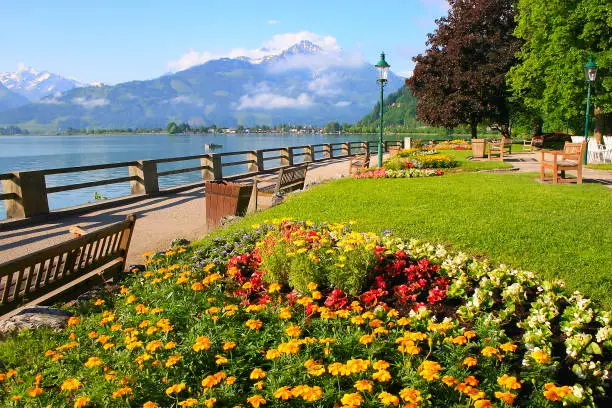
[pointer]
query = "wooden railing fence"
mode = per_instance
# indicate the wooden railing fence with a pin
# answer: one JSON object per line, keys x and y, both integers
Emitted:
{"x": 25, "y": 193}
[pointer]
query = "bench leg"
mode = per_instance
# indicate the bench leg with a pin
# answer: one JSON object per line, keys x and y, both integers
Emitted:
{"x": 579, "y": 175}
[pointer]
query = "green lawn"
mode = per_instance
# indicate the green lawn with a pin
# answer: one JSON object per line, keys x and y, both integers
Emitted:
{"x": 600, "y": 166}
{"x": 465, "y": 164}
{"x": 555, "y": 231}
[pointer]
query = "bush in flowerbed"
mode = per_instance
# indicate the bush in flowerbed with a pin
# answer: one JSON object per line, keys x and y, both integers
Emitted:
{"x": 297, "y": 314}
{"x": 427, "y": 159}
{"x": 456, "y": 144}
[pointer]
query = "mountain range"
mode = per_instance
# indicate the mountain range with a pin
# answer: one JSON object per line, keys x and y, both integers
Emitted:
{"x": 35, "y": 85}
{"x": 303, "y": 84}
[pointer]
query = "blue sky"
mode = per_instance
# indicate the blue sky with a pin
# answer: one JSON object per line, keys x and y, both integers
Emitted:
{"x": 120, "y": 40}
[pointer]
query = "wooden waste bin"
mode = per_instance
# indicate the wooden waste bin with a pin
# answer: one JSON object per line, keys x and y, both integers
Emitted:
{"x": 478, "y": 148}
{"x": 225, "y": 198}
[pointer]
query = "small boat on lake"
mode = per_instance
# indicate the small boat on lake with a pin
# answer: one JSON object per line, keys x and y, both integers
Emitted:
{"x": 212, "y": 146}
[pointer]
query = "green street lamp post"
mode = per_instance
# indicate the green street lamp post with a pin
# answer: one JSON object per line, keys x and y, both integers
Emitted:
{"x": 383, "y": 73}
{"x": 590, "y": 71}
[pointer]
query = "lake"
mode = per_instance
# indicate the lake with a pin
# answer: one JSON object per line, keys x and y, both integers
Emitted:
{"x": 47, "y": 152}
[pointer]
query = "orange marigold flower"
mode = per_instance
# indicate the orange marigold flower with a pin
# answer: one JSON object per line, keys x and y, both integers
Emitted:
{"x": 507, "y": 397}
{"x": 489, "y": 351}
{"x": 71, "y": 384}
{"x": 364, "y": 385}
{"x": 293, "y": 331}
{"x": 81, "y": 402}
{"x": 35, "y": 392}
{"x": 150, "y": 404}
{"x": 121, "y": 392}
{"x": 449, "y": 380}
{"x": 283, "y": 393}
{"x": 411, "y": 395}
{"x": 256, "y": 401}
{"x": 272, "y": 354}
{"x": 257, "y": 374}
{"x": 508, "y": 347}
{"x": 254, "y": 324}
{"x": 509, "y": 382}
{"x": 380, "y": 365}
{"x": 429, "y": 370}
{"x": 382, "y": 376}
{"x": 471, "y": 380}
{"x": 202, "y": 343}
{"x": 540, "y": 356}
{"x": 367, "y": 339}
{"x": 73, "y": 321}
{"x": 189, "y": 402}
{"x": 351, "y": 400}
{"x": 469, "y": 334}
{"x": 388, "y": 399}
{"x": 228, "y": 345}
{"x": 210, "y": 402}
{"x": 483, "y": 403}
{"x": 175, "y": 389}
{"x": 470, "y": 361}
{"x": 93, "y": 362}
{"x": 554, "y": 393}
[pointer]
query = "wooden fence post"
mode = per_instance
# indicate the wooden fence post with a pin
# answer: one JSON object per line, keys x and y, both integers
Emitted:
{"x": 346, "y": 149}
{"x": 309, "y": 150}
{"x": 328, "y": 153}
{"x": 286, "y": 154}
{"x": 207, "y": 171}
{"x": 147, "y": 182}
{"x": 257, "y": 162}
{"x": 217, "y": 167}
{"x": 364, "y": 148}
{"x": 30, "y": 191}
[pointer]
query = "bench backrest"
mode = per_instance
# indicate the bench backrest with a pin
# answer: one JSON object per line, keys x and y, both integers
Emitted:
{"x": 573, "y": 150}
{"x": 41, "y": 272}
{"x": 291, "y": 178}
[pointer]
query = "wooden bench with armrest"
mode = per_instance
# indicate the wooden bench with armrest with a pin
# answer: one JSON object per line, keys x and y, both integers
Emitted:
{"x": 499, "y": 147}
{"x": 46, "y": 274}
{"x": 561, "y": 161}
{"x": 289, "y": 179}
{"x": 359, "y": 163}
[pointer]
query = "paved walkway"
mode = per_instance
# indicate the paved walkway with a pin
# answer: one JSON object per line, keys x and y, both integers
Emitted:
{"x": 159, "y": 220}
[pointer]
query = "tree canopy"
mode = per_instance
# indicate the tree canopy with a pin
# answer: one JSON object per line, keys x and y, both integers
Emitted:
{"x": 461, "y": 77}
{"x": 558, "y": 36}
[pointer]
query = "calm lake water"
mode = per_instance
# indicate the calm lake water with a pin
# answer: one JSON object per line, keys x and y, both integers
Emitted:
{"x": 48, "y": 152}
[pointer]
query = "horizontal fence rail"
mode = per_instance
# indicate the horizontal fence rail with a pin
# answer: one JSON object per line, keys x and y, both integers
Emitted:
{"x": 25, "y": 193}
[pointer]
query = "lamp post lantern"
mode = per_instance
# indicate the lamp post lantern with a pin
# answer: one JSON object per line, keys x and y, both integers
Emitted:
{"x": 590, "y": 72}
{"x": 383, "y": 73}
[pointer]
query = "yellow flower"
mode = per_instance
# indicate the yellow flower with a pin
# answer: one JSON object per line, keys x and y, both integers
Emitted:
{"x": 311, "y": 394}
{"x": 351, "y": 400}
{"x": 507, "y": 397}
{"x": 73, "y": 321}
{"x": 449, "y": 380}
{"x": 257, "y": 374}
{"x": 483, "y": 404}
{"x": 35, "y": 391}
{"x": 283, "y": 393}
{"x": 175, "y": 389}
{"x": 189, "y": 402}
{"x": 254, "y": 324}
{"x": 364, "y": 385}
{"x": 293, "y": 331}
{"x": 93, "y": 362}
{"x": 274, "y": 287}
{"x": 202, "y": 343}
{"x": 81, "y": 402}
{"x": 71, "y": 384}
{"x": 272, "y": 354}
{"x": 382, "y": 376}
{"x": 98, "y": 302}
{"x": 220, "y": 360}
{"x": 210, "y": 402}
{"x": 509, "y": 382}
{"x": 508, "y": 347}
{"x": 150, "y": 404}
{"x": 540, "y": 356}
{"x": 256, "y": 401}
{"x": 411, "y": 395}
{"x": 284, "y": 313}
{"x": 489, "y": 351}
{"x": 122, "y": 392}
{"x": 228, "y": 345}
{"x": 470, "y": 361}
{"x": 429, "y": 370}
{"x": 380, "y": 365}
{"x": 367, "y": 339}
{"x": 172, "y": 360}
{"x": 312, "y": 286}
{"x": 170, "y": 345}
{"x": 214, "y": 379}
{"x": 554, "y": 393}
{"x": 388, "y": 399}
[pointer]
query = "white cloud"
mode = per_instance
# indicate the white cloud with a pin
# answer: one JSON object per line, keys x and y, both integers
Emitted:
{"x": 342, "y": 104}
{"x": 273, "y": 21}
{"x": 269, "y": 101}
{"x": 90, "y": 103}
{"x": 320, "y": 61}
{"x": 326, "y": 84}
{"x": 274, "y": 46}
{"x": 405, "y": 74}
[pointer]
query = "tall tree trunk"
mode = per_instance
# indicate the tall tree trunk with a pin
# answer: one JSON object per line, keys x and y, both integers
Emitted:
{"x": 603, "y": 125}
{"x": 537, "y": 126}
{"x": 474, "y": 127}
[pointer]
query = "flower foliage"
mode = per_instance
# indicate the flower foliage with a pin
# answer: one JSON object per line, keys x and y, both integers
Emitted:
{"x": 302, "y": 314}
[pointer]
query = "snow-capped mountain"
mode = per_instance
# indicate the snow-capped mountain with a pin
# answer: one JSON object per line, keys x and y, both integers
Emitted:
{"x": 303, "y": 83}
{"x": 35, "y": 85}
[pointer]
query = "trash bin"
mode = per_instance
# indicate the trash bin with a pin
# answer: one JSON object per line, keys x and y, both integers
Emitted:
{"x": 225, "y": 198}
{"x": 478, "y": 148}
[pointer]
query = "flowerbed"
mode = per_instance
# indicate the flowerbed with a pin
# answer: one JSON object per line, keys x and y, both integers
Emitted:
{"x": 422, "y": 159}
{"x": 405, "y": 173}
{"x": 296, "y": 314}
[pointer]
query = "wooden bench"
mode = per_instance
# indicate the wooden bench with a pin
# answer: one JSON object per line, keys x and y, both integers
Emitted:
{"x": 536, "y": 141}
{"x": 499, "y": 147}
{"x": 358, "y": 163}
{"x": 45, "y": 274}
{"x": 289, "y": 179}
{"x": 568, "y": 159}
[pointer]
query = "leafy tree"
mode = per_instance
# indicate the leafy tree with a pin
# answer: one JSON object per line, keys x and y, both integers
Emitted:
{"x": 172, "y": 128}
{"x": 461, "y": 77}
{"x": 558, "y": 38}
{"x": 332, "y": 127}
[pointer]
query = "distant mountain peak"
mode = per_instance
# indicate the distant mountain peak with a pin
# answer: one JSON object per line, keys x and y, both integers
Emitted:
{"x": 303, "y": 47}
{"x": 35, "y": 84}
